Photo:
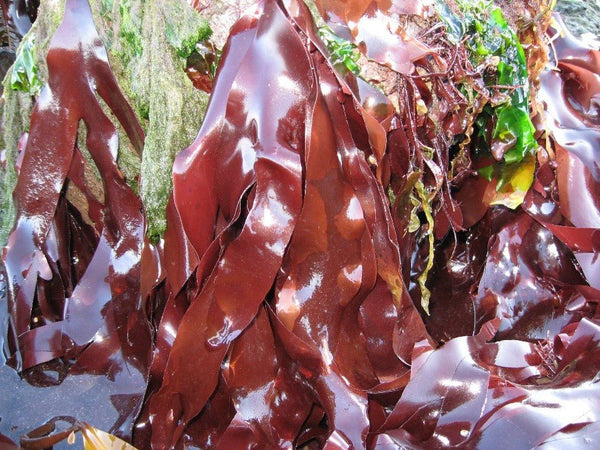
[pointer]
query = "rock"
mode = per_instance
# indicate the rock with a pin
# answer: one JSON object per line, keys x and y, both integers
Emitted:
{"x": 580, "y": 15}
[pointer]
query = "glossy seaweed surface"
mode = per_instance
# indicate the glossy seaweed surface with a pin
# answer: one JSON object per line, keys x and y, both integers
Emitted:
{"x": 346, "y": 264}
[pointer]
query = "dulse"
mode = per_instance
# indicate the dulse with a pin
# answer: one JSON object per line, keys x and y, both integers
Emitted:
{"x": 408, "y": 262}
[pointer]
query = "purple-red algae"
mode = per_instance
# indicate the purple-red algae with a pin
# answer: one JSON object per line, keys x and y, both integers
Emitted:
{"x": 284, "y": 306}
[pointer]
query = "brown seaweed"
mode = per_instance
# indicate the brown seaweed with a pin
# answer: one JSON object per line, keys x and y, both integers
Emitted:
{"x": 277, "y": 220}
{"x": 309, "y": 219}
{"x": 76, "y": 325}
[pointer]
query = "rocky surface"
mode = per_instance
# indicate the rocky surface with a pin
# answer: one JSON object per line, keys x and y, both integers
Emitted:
{"x": 221, "y": 15}
{"x": 581, "y": 16}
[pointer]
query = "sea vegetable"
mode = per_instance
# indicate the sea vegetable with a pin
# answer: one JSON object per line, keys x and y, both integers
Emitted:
{"x": 504, "y": 124}
{"x": 72, "y": 260}
{"x": 24, "y": 75}
{"x": 286, "y": 303}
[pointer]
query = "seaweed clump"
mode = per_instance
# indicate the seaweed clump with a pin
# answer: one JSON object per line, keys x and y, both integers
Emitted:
{"x": 387, "y": 239}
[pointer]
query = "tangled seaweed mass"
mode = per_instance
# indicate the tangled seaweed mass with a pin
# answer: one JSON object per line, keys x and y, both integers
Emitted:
{"x": 404, "y": 257}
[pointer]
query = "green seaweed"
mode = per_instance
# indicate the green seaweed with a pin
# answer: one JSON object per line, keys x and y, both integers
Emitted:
{"x": 492, "y": 44}
{"x": 184, "y": 28}
{"x": 494, "y": 48}
{"x": 344, "y": 54}
{"x": 24, "y": 75}
{"x": 175, "y": 107}
{"x": 131, "y": 28}
{"x": 513, "y": 124}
